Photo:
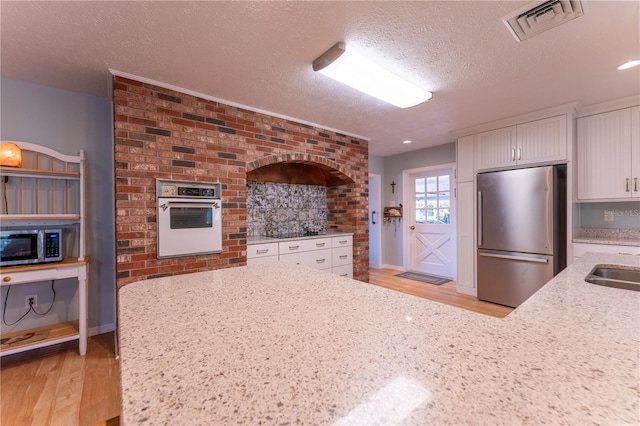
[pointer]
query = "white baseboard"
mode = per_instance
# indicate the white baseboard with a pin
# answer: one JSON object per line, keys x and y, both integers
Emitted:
{"x": 394, "y": 267}
{"x": 467, "y": 290}
{"x": 105, "y": 328}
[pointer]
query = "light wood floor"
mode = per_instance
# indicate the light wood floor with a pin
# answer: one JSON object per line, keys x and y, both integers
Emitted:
{"x": 56, "y": 386}
{"x": 445, "y": 293}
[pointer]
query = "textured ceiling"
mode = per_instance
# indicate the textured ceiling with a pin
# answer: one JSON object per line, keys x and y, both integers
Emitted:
{"x": 259, "y": 54}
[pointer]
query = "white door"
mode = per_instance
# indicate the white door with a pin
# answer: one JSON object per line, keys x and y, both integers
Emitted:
{"x": 375, "y": 217}
{"x": 432, "y": 228}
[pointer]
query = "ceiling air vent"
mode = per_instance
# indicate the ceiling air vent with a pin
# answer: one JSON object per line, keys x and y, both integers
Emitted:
{"x": 539, "y": 16}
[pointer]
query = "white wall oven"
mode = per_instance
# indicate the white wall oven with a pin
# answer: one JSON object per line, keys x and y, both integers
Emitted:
{"x": 189, "y": 218}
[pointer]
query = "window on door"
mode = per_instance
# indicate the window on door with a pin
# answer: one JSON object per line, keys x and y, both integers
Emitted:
{"x": 433, "y": 200}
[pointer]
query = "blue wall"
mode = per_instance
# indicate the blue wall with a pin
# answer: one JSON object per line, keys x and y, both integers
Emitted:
{"x": 67, "y": 122}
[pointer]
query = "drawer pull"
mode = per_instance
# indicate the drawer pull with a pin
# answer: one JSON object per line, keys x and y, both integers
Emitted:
{"x": 6, "y": 279}
{"x": 343, "y": 242}
{"x": 344, "y": 256}
{"x": 344, "y": 275}
{"x": 320, "y": 260}
{"x": 294, "y": 247}
{"x": 262, "y": 251}
{"x": 320, "y": 244}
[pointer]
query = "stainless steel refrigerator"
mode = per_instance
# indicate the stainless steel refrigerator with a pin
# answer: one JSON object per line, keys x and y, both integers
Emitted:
{"x": 521, "y": 232}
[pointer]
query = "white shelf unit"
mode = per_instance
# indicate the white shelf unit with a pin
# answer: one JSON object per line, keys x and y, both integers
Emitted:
{"x": 48, "y": 191}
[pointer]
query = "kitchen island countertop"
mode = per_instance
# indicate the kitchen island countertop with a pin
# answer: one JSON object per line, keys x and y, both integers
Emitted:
{"x": 277, "y": 343}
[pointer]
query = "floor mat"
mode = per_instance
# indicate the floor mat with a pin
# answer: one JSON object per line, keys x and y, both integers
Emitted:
{"x": 417, "y": 276}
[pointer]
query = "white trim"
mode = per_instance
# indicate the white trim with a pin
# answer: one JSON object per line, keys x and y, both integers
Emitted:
{"x": 230, "y": 103}
{"x": 608, "y": 106}
{"x": 101, "y": 329}
{"x": 471, "y": 291}
{"x": 27, "y": 146}
{"x": 406, "y": 195}
{"x": 570, "y": 108}
{"x": 394, "y": 267}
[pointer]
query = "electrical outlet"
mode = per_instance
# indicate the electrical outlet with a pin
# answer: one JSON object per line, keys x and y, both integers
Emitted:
{"x": 608, "y": 215}
{"x": 29, "y": 297}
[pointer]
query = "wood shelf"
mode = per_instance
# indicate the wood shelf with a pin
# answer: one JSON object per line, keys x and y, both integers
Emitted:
{"x": 69, "y": 261}
{"x": 38, "y": 173}
{"x": 58, "y": 333}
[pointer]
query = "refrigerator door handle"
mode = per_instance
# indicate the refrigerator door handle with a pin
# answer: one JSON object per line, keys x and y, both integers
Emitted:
{"x": 479, "y": 218}
{"x": 522, "y": 258}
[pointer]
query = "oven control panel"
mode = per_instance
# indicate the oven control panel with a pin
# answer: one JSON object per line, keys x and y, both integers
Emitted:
{"x": 187, "y": 189}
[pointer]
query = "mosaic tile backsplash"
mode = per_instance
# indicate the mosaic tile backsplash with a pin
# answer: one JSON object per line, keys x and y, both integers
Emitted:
{"x": 281, "y": 209}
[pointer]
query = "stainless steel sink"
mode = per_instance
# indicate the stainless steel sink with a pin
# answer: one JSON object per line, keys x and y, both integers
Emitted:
{"x": 611, "y": 276}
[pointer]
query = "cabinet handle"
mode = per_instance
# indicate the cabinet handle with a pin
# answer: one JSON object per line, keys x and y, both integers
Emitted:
{"x": 519, "y": 153}
{"x": 343, "y": 242}
{"x": 320, "y": 260}
{"x": 627, "y": 184}
{"x": 262, "y": 251}
{"x": 320, "y": 244}
{"x": 294, "y": 247}
{"x": 513, "y": 155}
{"x": 344, "y": 275}
{"x": 343, "y": 257}
{"x": 635, "y": 184}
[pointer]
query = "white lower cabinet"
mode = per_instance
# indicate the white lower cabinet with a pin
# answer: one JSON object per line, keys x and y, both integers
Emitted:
{"x": 330, "y": 254}
{"x": 258, "y": 254}
{"x": 579, "y": 249}
{"x": 317, "y": 259}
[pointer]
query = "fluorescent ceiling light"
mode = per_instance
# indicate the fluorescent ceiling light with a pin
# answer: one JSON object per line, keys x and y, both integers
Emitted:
{"x": 356, "y": 71}
{"x": 407, "y": 141}
{"x": 629, "y": 64}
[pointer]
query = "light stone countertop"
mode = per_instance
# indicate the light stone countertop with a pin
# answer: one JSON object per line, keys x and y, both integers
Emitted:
{"x": 277, "y": 344}
{"x": 616, "y": 237}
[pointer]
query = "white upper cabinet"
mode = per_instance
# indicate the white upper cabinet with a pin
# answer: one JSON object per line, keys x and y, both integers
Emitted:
{"x": 608, "y": 155}
{"x": 496, "y": 148}
{"x": 542, "y": 141}
{"x": 535, "y": 142}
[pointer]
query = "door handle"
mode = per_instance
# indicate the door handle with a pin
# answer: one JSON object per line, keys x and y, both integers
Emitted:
{"x": 513, "y": 154}
{"x": 479, "y": 224}
{"x": 519, "y": 153}
{"x": 635, "y": 184}
{"x": 627, "y": 184}
{"x": 522, "y": 258}
{"x": 412, "y": 227}
{"x": 373, "y": 219}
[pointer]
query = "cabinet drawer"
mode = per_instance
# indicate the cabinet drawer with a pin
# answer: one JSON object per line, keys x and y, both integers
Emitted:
{"x": 345, "y": 240}
{"x": 262, "y": 260}
{"x": 318, "y": 259}
{"x": 343, "y": 271}
{"x": 579, "y": 249}
{"x": 262, "y": 250}
{"x": 342, "y": 256}
{"x": 297, "y": 246}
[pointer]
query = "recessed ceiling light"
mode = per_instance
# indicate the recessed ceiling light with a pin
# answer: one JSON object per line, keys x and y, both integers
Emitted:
{"x": 629, "y": 64}
{"x": 407, "y": 141}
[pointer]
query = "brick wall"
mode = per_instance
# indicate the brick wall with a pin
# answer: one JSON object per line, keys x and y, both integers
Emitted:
{"x": 162, "y": 133}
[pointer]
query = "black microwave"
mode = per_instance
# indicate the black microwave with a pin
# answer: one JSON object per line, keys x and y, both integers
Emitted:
{"x": 23, "y": 247}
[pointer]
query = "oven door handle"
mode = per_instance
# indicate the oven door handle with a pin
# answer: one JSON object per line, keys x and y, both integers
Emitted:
{"x": 165, "y": 205}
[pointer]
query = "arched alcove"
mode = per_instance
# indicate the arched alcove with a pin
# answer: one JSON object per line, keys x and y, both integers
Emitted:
{"x": 297, "y": 169}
